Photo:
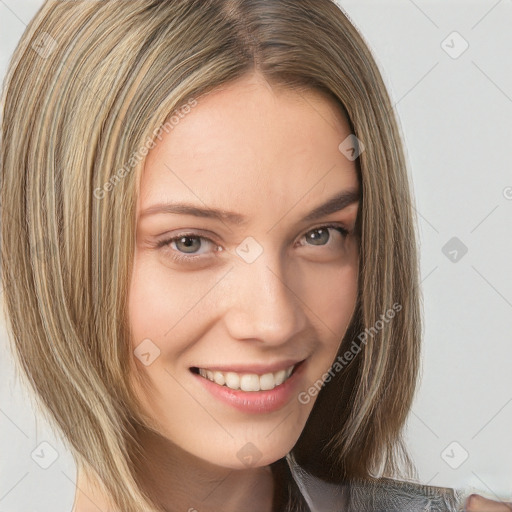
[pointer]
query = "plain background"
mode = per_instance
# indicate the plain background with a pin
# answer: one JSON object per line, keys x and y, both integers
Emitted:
{"x": 455, "y": 111}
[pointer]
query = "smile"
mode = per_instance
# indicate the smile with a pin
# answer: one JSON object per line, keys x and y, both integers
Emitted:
{"x": 247, "y": 381}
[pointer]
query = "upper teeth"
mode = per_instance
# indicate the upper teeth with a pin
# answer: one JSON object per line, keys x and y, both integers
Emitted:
{"x": 247, "y": 381}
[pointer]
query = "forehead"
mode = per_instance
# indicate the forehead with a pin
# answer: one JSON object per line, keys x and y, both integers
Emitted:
{"x": 250, "y": 147}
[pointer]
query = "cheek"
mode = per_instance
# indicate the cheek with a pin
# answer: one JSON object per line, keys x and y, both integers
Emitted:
{"x": 160, "y": 309}
{"x": 330, "y": 291}
{"x": 161, "y": 301}
{"x": 330, "y": 295}
{"x": 147, "y": 304}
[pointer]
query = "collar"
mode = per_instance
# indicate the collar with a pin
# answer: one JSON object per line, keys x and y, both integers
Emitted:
{"x": 374, "y": 495}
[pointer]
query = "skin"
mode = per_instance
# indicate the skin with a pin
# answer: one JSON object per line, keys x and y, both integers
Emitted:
{"x": 477, "y": 503}
{"x": 272, "y": 155}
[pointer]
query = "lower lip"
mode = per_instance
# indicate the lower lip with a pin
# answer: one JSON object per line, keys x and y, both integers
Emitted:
{"x": 256, "y": 401}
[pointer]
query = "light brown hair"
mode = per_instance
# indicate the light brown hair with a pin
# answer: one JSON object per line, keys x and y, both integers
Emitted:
{"x": 74, "y": 113}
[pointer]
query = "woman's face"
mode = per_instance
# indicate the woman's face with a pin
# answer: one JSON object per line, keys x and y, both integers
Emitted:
{"x": 248, "y": 295}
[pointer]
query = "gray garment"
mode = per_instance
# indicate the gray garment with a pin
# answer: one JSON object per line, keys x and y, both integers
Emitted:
{"x": 379, "y": 495}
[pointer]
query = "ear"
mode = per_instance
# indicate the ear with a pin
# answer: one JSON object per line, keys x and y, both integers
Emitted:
{"x": 477, "y": 503}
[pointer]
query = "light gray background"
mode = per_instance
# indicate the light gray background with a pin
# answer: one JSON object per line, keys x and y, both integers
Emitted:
{"x": 455, "y": 114}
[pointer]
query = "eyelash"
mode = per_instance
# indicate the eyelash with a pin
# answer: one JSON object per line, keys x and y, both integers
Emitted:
{"x": 180, "y": 258}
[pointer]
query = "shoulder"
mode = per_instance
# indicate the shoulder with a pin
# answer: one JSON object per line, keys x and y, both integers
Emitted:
{"x": 389, "y": 495}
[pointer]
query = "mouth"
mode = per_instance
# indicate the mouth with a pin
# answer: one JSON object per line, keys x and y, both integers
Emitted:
{"x": 250, "y": 382}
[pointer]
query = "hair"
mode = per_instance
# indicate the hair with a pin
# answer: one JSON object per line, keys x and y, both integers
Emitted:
{"x": 90, "y": 84}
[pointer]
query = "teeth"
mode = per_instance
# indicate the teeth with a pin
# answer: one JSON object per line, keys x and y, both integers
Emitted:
{"x": 219, "y": 378}
{"x": 232, "y": 380}
{"x": 267, "y": 382}
{"x": 250, "y": 382}
{"x": 247, "y": 381}
{"x": 279, "y": 377}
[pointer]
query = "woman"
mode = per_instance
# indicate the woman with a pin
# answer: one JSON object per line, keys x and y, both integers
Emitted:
{"x": 209, "y": 256}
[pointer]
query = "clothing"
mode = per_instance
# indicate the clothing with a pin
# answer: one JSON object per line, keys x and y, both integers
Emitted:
{"x": 378, "y": 495}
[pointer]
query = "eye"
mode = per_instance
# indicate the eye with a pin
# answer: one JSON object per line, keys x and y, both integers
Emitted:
{"x": 322, "y": 235}
{"x": 187, "y": 245}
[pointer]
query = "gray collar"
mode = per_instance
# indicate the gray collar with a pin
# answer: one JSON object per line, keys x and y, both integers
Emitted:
{"x": 377, "y": 495}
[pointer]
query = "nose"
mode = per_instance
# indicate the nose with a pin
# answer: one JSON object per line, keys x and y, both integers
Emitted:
{"x": 264, "y": 305}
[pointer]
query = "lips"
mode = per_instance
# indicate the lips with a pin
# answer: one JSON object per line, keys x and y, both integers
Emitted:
{"x": 258, "y": 401}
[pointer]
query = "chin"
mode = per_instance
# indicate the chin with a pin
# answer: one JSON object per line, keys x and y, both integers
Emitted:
{"x": 258, "y": 448}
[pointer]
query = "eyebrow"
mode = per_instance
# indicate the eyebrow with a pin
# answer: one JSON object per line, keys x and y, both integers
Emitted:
{"x": 332, "y": 205}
